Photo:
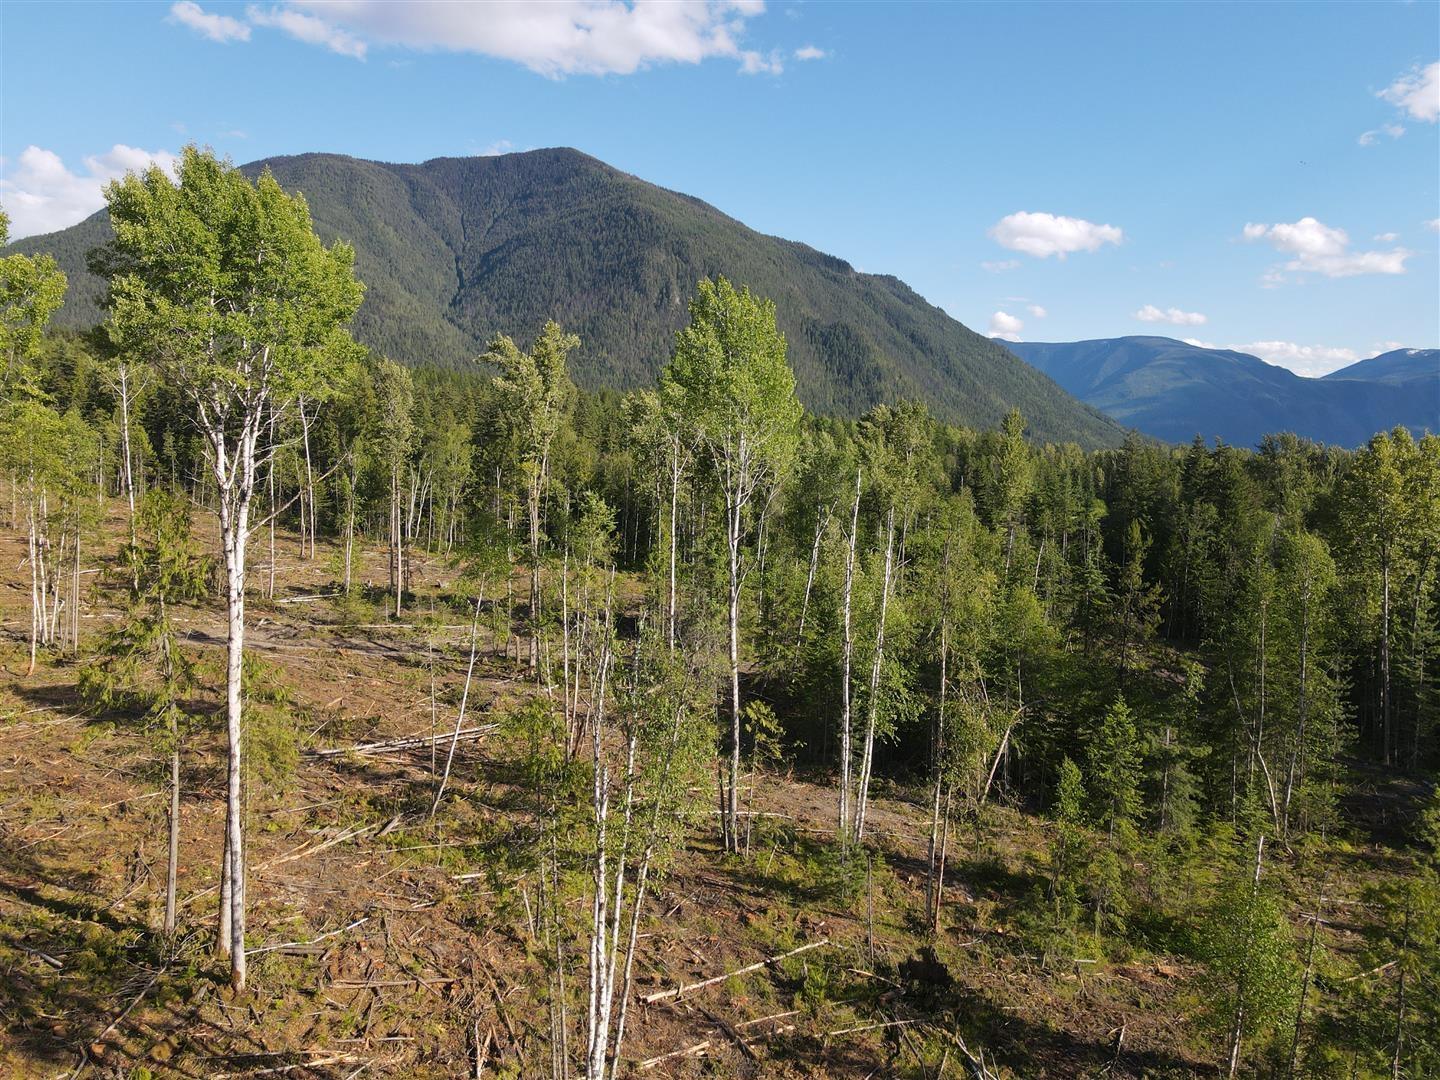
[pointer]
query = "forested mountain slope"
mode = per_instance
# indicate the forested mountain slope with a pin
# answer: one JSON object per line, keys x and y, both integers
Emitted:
{"x": 456, "y": 250}
{"x": 1174, "y": 390}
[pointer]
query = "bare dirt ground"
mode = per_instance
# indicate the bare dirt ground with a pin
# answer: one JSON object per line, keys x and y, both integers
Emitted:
{"x": 388, "y": 946}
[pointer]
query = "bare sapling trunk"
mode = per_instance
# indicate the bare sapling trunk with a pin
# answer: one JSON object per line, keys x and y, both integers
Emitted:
{"x": 309, "y": 497}
{"x": 937, "y": 743}
{"x": 123, "y": 388}
{"x": 1398, "y": 1053}
{"x": 1305, "y": 981}
{"x": 872, "y": 711}
{"x": 1237, "y": 1025}
{"x": 1386, "y": 709}
{"x": 464, "y": 702}
{"x": 397, "y": 540}
{"x": 847, "y": 653}
{"x": 1302, "y": 706}
{"x": 734, "y": 521}
{"x": 821, "y": 519}
{"x": 671, "y": 602}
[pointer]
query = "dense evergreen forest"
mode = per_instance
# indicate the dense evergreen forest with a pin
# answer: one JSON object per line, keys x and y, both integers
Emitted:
{"x": 1203, "y": 672}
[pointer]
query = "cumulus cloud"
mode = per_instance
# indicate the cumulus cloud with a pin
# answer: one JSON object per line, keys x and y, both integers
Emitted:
{"x": 311, "y": 29}
{"x": 1433, "y": 224}
{"x": 1386, "y": 237}
{"x": 1043, "y": 235}
{"x": 1037, "y": 311}
{"x": 810, "y": 52}
{"x": 1309, "y": 360}
{"x": 1005, "y": 326}
{"x": 1416, "y": 93}
{"x": 1151, "y": 313}
{"x": 555, "y": 39}
{"x": 1317, "y": 248}
{"x": 758, "y": 63}
{"x": 42, "y": 194}
{"x": 221, "y": 28}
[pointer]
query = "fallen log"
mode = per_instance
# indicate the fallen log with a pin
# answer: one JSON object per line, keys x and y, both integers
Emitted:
{"x": 686, "y": 1051}
{"x": 413, "y": 742}
{"x": 667, "y": 995}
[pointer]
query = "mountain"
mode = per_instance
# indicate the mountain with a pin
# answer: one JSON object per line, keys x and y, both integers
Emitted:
{"x": 1400, "y": 367}
{"x": 1175, "y": 391}
{"x": 456, "y": 250}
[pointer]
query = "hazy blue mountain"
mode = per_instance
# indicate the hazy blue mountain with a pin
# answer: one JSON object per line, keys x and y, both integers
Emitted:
{"x": 455, "y": 250}
{"x": 1400, "y": 366}
{"x": 1175, "y": 391}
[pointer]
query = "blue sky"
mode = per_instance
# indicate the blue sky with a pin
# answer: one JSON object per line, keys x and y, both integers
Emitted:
{"x": 1048, "y": 172}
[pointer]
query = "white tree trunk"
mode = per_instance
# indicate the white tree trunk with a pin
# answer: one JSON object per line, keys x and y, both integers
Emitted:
{"x": 847, "y": 654}
{"x": 867, "y": 757}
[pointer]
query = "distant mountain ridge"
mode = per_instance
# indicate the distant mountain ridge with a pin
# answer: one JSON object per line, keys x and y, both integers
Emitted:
{"x": 1174, "y": 391}
{"x": 455, "y": 250}
{"x": 1400, "y": 366}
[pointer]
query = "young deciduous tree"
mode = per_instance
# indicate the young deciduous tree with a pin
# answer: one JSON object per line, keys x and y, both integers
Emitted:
{"x": 535, "y": 396}
{"x": 729, "y": 369}
{"x": 1249, "y": 948}
{"x": 141, "y": 664}
{"x": 224, "y": 286}
{"x": 394, "y": 436}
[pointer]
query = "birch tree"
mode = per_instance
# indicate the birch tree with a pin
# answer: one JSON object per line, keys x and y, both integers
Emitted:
{"x": 729, "y": 370}
{"x": 394, "y": 434}
{"x": 535, "y": 395}
{"x": 224, "y": 286}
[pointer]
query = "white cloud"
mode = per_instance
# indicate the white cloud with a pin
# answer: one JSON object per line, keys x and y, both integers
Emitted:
{"x": 1416, "y": 93}
{"x": 757, "y": 63}
{"x": 1151, "y": 313}
{"x": 1386, "y": 346}
{"x": 221, "y": 28}
{"x": 1037, "y": 311}
{"x": 999, "y": 266}
{"x": 1433, "y": 224}
{"x": 1369, "y": 138}
{"x": 42, "y": 195}
{"x": 1043, "y": 235}
{"x": 556, "y": 39}
{"x": 311, "y": 29}
{"x": 1318, "y": 248}
{"x": 1386, "y": 237}
{"x": 496, "y": 148}
{"x": 810, "y": 52}
{"x": 1309, "y": 360}
{"x": 1006, "y": 326}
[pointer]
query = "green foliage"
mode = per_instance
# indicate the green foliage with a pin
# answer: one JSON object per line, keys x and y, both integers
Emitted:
{"x": 272, "y": 733}
{"x": 223, "y": 284}
{"x": 1249, "y": 951}
{"x": 1114, "y": 768}
{"x": 141, "y": 665}
{"x": 1068, "y": 847}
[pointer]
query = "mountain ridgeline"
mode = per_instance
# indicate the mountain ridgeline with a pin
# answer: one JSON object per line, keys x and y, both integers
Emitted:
{"x": 456, "y": 250}
{"x": 1174, "y": 391}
